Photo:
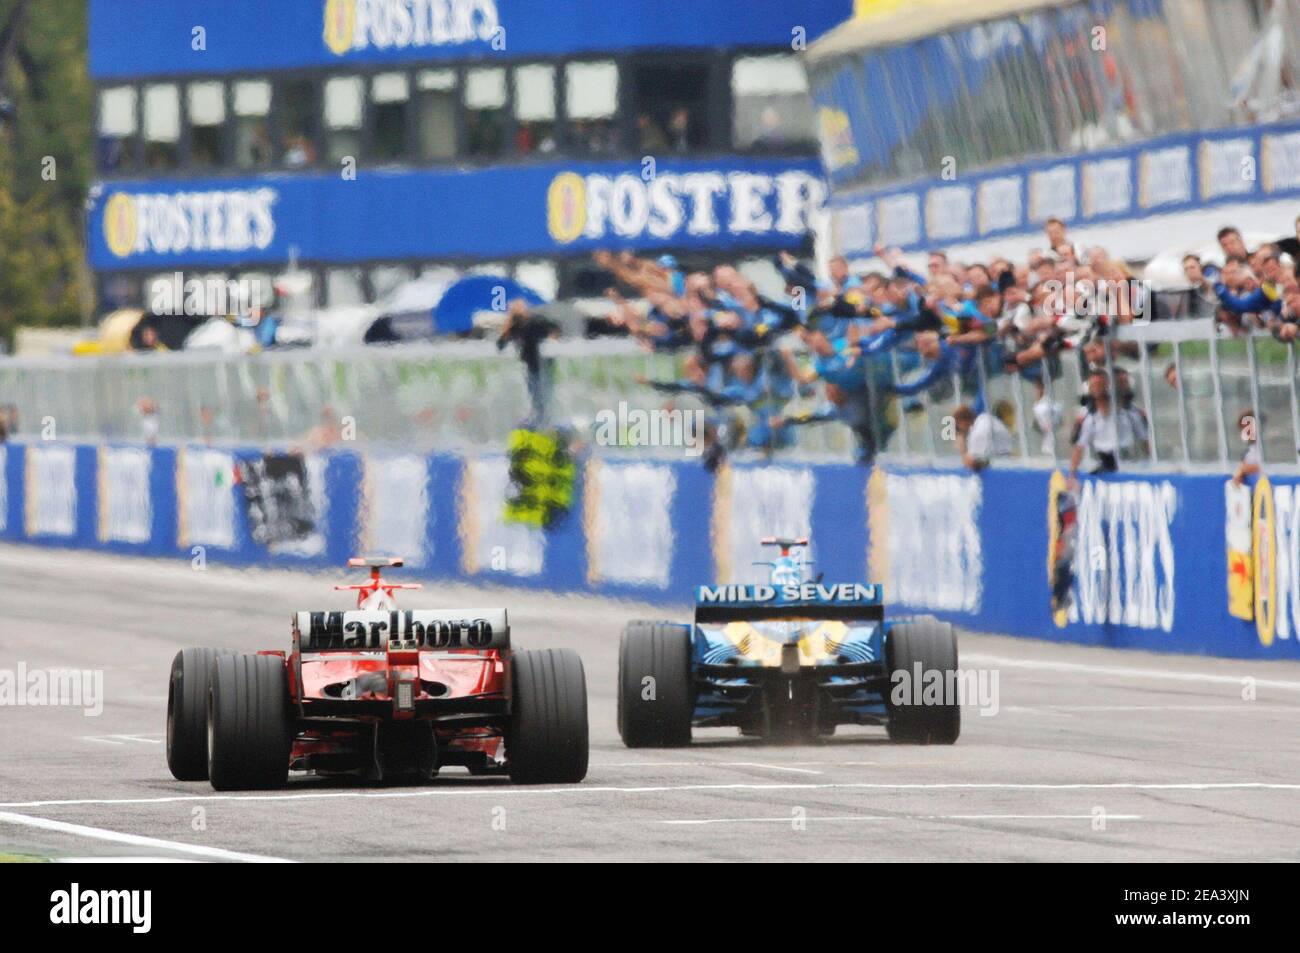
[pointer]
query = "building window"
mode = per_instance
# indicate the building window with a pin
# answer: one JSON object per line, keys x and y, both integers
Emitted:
{"x": 390, "y": 103}
{"x": 296, "y": 111}
{"x": 117, "y": 128}
{"x": 206, "y": 103}
{"x": 669, "y": 100}
{"x": 162, "y": 126}
{"x": 591, "y": 104}
{"x": 343, "y": 114}
{"x": 435, "y": 114}
{"x": 534, "y": 109}
{"x": 251, "y": 129}
{"x": 485, "y": 111}
{"x": 771, "y": 106}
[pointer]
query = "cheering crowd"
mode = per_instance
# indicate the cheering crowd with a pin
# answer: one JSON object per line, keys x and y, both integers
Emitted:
{"x": 878, "y": 341}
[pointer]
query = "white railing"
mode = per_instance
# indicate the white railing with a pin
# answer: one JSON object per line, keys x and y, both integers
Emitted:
{"x": 1191, "y": 384}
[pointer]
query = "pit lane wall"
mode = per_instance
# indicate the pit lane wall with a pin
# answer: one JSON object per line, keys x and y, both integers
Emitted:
{"x": 1164, "y": 562}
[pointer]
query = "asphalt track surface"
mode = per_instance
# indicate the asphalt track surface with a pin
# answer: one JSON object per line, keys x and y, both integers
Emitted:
{"x": 1093, "y": 754}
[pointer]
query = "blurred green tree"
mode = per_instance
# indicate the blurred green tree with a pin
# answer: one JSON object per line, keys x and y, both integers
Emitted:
{"x": 46, "y": 163}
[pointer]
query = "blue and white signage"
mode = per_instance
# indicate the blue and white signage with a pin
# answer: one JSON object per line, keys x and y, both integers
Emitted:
{"x": 445, "y": 213}
{"x": 1170, "y": 174}
{"x": 206, "y": 36}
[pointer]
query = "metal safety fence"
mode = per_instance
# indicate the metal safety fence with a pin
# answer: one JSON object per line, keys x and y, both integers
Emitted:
{"x": 1202, "y": 395}
{"x": 416, "y": 396}
{"x": 1191, "y": 384}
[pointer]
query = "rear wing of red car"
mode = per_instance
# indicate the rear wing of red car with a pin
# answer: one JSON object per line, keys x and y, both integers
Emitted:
{"x": 363, "y": 629}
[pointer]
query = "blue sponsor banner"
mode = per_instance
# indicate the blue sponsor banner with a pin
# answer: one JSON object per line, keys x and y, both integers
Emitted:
{"x": 550, "y": 209}
{"x": 163, "y": 493}
{"x": 11, "y": 493}
{"x": 343, "y": 481}
{"x": 57, "y": 494}
{"x": 1176, "y": 173}
{"x": 1164, "y": 562}
{"x": 162, "y": 37}
{"x": 1151, "y": 569}
{"x": 134, "y": 493}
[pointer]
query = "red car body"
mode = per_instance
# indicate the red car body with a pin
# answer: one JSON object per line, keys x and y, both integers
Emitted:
{"x": 461, "y": 693}
{"x": 379, "y": 692}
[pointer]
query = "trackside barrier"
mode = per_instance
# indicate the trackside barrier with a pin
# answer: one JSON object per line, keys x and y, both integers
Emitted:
{"x": 1163, "y": 562}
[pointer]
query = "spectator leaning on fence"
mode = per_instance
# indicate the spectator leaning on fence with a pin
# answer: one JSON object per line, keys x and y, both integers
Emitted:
{"x": 1286, "y": 326}
{"x": 1106, "y": 430}
{"x": 872, "y": 336}
{"x": 1202, "y": 300}
{"x": 980, "y": 437}
{"x": 1261, "y": 298}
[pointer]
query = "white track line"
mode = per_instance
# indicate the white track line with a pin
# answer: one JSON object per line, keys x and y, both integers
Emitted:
{"x": 794, "y": 766}
{"x": 496, "y": 790}
{"x": 701, "y": 822}
{"x": 998, "y": 661}
{"x": 1235, "y": 708}
{"x": 135, "y": 840}
{"x": 785, "y": 767}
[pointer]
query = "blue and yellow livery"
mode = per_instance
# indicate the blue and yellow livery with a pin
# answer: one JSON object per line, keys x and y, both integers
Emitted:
{"x": 791, "y": 658}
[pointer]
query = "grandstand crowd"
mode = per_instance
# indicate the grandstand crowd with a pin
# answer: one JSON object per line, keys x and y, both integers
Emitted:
{"x": 881, "y": 340}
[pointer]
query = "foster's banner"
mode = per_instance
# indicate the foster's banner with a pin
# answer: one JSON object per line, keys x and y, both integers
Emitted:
{"x": 548, "y": 209}
{"x": 1163, "y": 562}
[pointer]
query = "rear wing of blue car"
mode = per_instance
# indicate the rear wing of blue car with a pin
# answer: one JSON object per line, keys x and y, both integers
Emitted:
{"x": 843, "y": 601}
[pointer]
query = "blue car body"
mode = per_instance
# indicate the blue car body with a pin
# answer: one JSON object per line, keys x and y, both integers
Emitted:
{"x": 788, "y": 658}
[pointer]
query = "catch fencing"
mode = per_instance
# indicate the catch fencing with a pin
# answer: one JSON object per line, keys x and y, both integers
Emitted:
{"x": 1191, "y": 383}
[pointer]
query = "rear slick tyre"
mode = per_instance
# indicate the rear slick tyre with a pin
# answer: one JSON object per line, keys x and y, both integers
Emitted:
{"x": 187, "y": 713}
{"x": 655, "y": 697}
{"x": 548, "y": 736}
{"x": 932, "y": 644}
{"x": 250, "y": 730}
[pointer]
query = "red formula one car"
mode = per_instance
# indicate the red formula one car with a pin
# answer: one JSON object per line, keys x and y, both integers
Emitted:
{"x": 380, "y": 693}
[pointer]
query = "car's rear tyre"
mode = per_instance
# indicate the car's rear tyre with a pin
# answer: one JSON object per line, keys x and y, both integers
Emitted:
{"x": 547, "y": 741}
{"x": 656, "y": 699}
{"x": 250, "y": 728}
{"x": 934, "y": 645}
{"x": 187, "y": 713}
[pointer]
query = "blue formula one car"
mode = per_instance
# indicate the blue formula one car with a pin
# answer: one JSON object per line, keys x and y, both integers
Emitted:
{"x": 787, "y": 661}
